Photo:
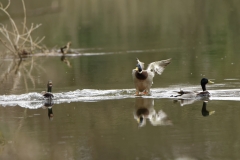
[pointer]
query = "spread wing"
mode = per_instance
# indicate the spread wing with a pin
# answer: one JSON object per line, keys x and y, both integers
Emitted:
{"x": 158, "y": 66}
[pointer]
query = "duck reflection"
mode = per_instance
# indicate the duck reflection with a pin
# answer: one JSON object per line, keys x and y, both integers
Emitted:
{"x": 48, "y": 104}
{"x": 144, "y": 109}
{"x": 183, "y": 102}
{"x": 63, "y": 57}
{"x": 188, "y": 101}
{"x": 205, "y": 112}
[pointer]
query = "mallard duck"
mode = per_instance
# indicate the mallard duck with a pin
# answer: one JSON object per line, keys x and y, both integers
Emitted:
{"x": 193, "y": 94}
{"x": 143, "y": 79}
{"x": 48, "y": 94}
{"x": 205, "y": 112}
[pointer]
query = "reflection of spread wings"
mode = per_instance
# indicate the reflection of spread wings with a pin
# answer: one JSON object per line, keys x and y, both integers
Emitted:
{"x": 144, "y": 109}
{"x": 159, "y": 119}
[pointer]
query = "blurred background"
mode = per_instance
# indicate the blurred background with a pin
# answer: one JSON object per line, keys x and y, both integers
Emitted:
{"x": 201, "y": 37}
{"x": 135, "y": 24}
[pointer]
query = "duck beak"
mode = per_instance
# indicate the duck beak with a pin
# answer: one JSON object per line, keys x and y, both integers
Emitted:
{"x": 138, "y": 120}
{"x": 136, "y": 69}
{"x": 50, "y": 83}
{"x": 210, "y": 81}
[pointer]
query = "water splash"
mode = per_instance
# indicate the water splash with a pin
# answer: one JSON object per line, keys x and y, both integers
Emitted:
{"x": 35, "y": 100}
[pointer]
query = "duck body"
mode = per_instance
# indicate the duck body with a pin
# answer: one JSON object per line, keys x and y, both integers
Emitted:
{"x": 203, "y": 94}
{"x": 48, "y": 95}
{"x": 193, "y": 95}
{"x": 196, "y": 95}
{"x": 143, "y": 79}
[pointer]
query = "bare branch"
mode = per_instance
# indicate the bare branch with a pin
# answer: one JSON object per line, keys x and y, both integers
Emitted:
{"x": 39, "y": 47}
{"x": 15, "y": 41}
{"x": 40, "y": 40}
{"x": 14, "y": 27}
{"x": 4, "y": 43}
{"x": 7, "y": 5}
{"x": 25, "y": 16}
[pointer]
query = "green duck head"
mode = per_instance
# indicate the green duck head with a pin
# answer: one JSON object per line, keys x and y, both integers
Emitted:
{"x": 203, "y": 82}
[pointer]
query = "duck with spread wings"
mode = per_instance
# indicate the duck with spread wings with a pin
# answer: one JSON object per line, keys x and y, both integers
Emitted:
{"x": 143, "y": 79}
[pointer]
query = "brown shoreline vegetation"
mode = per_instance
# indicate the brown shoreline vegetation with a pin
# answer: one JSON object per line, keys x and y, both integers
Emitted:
{"x": 19, "y": 42}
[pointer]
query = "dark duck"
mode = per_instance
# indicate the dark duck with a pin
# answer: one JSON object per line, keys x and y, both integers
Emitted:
{"x": 48, "y": 94}
{"x": 193, "y": 94}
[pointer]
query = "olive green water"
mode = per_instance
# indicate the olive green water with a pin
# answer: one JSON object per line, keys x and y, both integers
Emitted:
{"x": 201, "y": 38}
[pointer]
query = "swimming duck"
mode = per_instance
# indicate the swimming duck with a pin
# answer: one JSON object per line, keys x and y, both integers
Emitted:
{"x": 143, "y": 79}
{"x": 48, "y": 94}
{"x": 193, "y": 94}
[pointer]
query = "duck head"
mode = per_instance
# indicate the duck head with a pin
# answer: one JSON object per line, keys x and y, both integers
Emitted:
{"x": 49, "y": 86}
{"x": 139, "y": 68}
{"x": 205, "y": 81}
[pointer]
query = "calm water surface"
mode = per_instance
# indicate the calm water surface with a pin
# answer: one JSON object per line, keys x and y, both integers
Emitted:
{"x": 109, "y": 130}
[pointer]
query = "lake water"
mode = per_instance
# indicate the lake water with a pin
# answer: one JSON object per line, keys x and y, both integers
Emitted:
{"x": 94, "y": 113}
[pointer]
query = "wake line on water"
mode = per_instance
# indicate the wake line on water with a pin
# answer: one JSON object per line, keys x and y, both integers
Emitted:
{"x": 100, "y": 51}
{"x": 35, "y": 100}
